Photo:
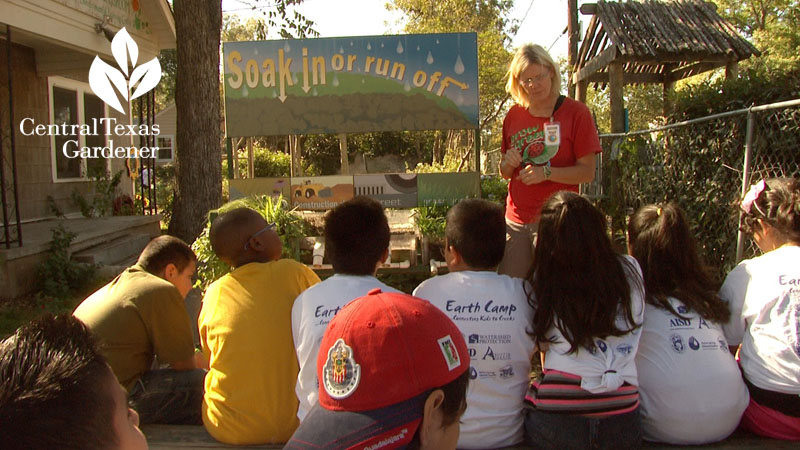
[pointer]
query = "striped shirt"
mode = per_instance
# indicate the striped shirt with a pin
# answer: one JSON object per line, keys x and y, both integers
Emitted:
{"x": 561, "y": 392}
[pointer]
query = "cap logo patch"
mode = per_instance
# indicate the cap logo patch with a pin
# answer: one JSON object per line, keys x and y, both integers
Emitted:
{"x": 340, "y": 373}
{"x": 450, "y": 353}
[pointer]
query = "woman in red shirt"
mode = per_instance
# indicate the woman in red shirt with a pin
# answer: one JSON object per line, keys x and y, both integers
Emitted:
{"x": 549, "y": 145}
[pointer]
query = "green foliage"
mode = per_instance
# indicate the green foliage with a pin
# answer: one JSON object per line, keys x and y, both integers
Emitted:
{"x": 53, "y": 206}
{"x": 102, "y": 202}
{"x": 494, "y": 188}
{"x": 290, "y": 227}
{"x": 59, "y": 275}
{"x": 699, "y": 166}
{"x": 431, "y": 221}
{"x": 166, "y": 184}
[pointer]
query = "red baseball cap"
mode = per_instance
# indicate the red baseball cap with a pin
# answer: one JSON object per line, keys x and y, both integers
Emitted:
{"x": 379, "y": 358}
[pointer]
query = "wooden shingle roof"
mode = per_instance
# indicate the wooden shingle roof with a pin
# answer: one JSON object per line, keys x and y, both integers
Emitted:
{"x": 659, "y": 41}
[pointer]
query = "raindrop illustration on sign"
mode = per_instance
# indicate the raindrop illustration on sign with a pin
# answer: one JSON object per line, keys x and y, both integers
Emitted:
{"x": 369, "y": 46}
{"x": 335, "y": 80}
{"x": 399, "y": 47}
{"x": 430, "y": 58}
{"x": 351, "y": 43}
{"x": 418, "y": 48}
{"x": 245, "y": 91}
{"x": 459, "y": 67}
{"x": 286, "y": 47}
{"x": 341, "y": 50}
{"x": 407, "y": 87}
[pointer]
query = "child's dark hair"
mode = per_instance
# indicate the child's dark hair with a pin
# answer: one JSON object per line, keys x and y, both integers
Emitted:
{"x": 52, "y": 393}
{"x": 778, "y": 204}
{"x": 659, "y": 238}
{"x": 453, "y": 406}
{"x": 476, "y": 228}
{"x": 165, "y": 250}
{"x": 580, "y": 284}
{"x": 356, "y": 236}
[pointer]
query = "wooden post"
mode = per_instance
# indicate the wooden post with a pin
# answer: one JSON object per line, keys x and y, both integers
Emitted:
{"x": 234, "y": 166}
{"x": 345, "y": 161}
{"x": 732, "y": 70}
{"x": 667, "y": 94}
{"x": 573, "y": 37}
{"x": 251, "y": 165}
{"x": 616, "y": 84}
{"x": 580, "y": 91}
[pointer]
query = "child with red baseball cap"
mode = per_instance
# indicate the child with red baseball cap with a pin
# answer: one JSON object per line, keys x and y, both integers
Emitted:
{"x": 393, "y": 374}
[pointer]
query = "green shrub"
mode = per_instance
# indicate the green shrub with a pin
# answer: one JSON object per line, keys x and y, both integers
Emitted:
{"x": 430, "y": 221}
{"x": 494, "y": 188}
{"x": 59, "y": 276}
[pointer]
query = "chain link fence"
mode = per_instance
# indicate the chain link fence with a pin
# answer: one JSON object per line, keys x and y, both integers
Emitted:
{"x": 705, "y": 165}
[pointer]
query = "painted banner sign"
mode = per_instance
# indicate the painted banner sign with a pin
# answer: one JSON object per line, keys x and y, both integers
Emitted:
{"x": 351, "y": 84}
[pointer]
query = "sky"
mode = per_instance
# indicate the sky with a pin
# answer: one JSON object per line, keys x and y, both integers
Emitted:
{"x": 542, "y": 21}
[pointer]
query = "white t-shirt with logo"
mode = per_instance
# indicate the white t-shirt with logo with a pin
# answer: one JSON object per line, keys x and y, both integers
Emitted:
{"x": 311, "y": 313}
{"x": 611, "y": 363}
{"x": 690, "y": 387}
{"x": 492, "y": 312}
{"x": 764, "y": 297}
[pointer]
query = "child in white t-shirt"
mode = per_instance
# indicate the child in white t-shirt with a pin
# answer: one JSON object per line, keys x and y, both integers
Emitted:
{"x": 690, "y": 387}
{"x": 493, "y": 314}
{"x": 764, "y": 298}
{"x": 589, "y": 307}
{"x": 357, "y": 241}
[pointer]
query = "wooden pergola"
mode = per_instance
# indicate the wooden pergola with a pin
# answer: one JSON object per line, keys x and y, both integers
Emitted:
{"x": 653, "y": 42}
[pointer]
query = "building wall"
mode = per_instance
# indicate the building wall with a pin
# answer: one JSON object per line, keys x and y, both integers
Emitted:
{"x": 34, "y": 153}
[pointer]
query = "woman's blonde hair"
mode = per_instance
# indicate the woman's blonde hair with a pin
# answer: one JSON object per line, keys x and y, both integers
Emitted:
{"x": 525, "y": 56}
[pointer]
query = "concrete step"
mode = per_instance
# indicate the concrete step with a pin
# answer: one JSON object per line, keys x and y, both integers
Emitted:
{"x": 119, "y": 251}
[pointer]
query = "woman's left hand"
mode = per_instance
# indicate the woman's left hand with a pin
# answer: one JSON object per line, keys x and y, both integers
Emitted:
{"x": 531, "y": 174}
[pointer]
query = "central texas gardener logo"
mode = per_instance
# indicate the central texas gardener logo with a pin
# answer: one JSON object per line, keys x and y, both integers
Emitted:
{"x": 104, "y": 78}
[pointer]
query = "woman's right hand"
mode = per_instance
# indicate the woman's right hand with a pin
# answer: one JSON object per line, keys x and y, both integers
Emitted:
{"x": 512, "y": 159}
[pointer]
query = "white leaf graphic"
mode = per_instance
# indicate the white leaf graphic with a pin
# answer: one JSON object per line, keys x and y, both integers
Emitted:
{"x": 149, "y": 73}
{"x": 101, "y": 77}
{"x": 121, "y": 46}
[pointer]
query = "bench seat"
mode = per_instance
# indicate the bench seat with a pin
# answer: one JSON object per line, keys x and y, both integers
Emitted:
{"x": 181, "y": 437}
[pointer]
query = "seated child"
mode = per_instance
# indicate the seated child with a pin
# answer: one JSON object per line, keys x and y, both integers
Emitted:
{"x": 57, "y": 391}
{"x": 589, "y": 307}
{"x": 764, "y": 297}
{"x": 357, "y": 241}
{"x": 492, "y": 311}
{"x": 690, "y": 387}
{"x": 245, "y": 332}
{"x": 140, "y": 317}
{"x": 393, "y": 374}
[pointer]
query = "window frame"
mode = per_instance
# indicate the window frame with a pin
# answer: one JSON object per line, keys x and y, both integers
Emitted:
{"x": 80, "y": 88}
{"x": 171, "y": 148}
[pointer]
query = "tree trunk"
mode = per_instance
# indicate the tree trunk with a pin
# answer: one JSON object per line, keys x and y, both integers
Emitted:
{"x": 199, "y": 187}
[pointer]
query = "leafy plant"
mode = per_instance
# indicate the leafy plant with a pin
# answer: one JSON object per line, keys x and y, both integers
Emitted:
{"x": 289, "y": 225}
{"x": 431, "y": 221}
{"x": 59, "y": 275}
{"x": 102, "y": 202}
{"x": 494, "y": 188}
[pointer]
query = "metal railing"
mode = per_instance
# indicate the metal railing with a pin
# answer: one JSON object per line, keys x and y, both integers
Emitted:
{"x": 705, "y": 165}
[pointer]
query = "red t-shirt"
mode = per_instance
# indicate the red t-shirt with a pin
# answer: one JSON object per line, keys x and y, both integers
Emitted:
{"x": 578, "y": 139}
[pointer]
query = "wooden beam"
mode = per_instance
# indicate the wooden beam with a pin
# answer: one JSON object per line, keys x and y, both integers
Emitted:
{"x": 628, "y": 78}
{"x": 588, "y": 9}
{"x": 345, "y": 160}
{"x": 600, "y": 61}
{"x": 616, "y": 88}
{"x": 692, "y": 69}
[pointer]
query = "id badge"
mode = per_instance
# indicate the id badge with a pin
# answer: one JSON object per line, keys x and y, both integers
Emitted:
{"x": 552, "y": 134}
